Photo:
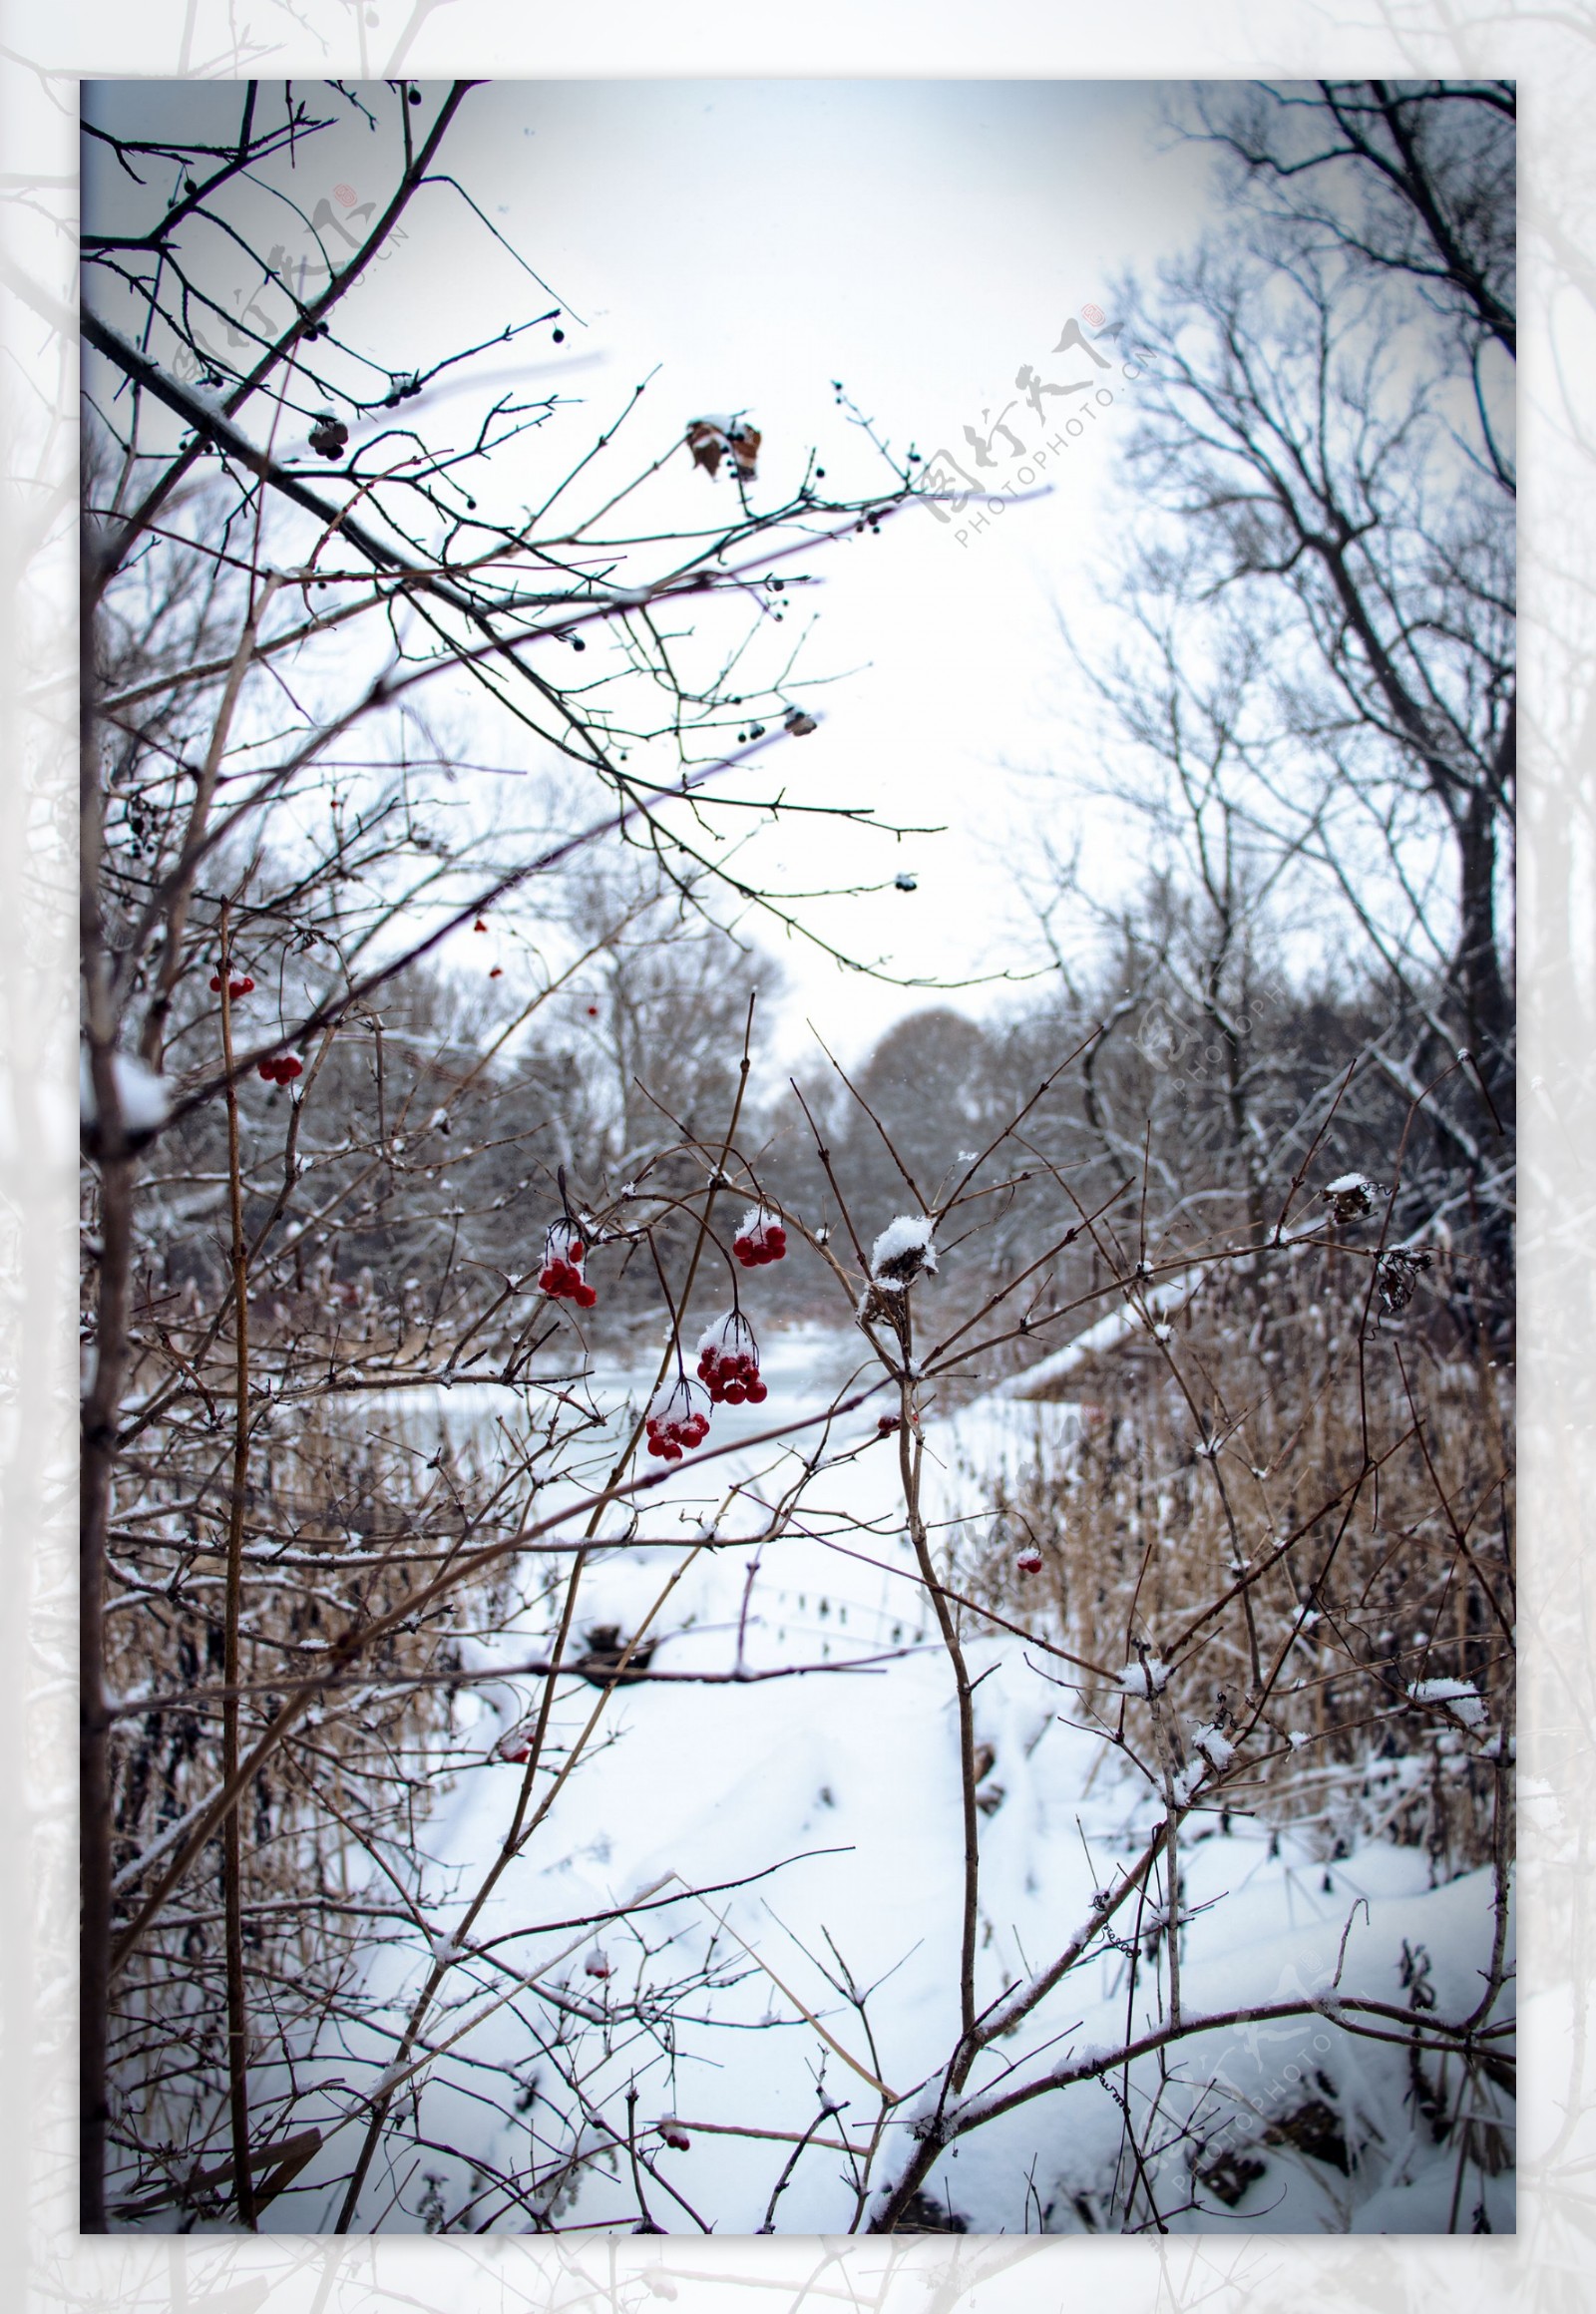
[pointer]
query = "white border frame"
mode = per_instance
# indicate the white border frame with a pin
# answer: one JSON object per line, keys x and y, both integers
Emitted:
{"x": 49, "y": 2265}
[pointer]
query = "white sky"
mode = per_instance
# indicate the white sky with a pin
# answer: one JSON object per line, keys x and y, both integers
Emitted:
{"x": 751, "y": 242}
{"x": 919, "y": 240}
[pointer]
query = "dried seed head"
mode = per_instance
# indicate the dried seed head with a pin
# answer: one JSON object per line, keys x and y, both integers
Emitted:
{"x": 1351, "y": 1197}
{"x": 1396, "y": 1276}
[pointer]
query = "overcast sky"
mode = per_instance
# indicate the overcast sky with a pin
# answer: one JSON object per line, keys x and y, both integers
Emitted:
{"x": 750, "y": 241}
{"x": 921, "y": 241}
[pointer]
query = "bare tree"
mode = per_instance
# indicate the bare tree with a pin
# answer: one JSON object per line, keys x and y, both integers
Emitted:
{"x": 1316, "y": 696}
{"x": 1415, "y": 178}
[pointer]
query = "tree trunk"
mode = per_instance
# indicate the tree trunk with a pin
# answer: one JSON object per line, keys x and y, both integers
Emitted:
{"x": 1481, "y": 986}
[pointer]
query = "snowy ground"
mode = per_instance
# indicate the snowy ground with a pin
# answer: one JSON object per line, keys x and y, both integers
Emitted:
{"x": 843, "y": 1788}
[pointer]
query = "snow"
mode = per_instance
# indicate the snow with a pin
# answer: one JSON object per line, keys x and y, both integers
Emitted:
{"x": 1215, "y": 1746}
{"x": 1148, "y": 1678}
{"x": 1458, "y": 1697}
{"x": 1185, "y": 1783}
{"x": 143, "y": 1097}
{"x": 904, "y": 1249}
{"x": 843, "y": 1790}
{"x": 1115, "y": 1326}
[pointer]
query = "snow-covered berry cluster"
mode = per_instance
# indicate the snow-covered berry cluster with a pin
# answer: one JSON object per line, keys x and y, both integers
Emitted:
{"x": 1029, "y": 1563}
{"x": 675, "y": 1423}
{"x": 562, "y": 1277}
{"x": 760, "y": 1237}
{"x": 280, "y": 1069}
{"x": 242, "y": 987}
{"x": 728, "y": 1362}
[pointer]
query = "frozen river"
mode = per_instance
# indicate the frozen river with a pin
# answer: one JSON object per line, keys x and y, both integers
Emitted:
{"x": 821, "y": 1813}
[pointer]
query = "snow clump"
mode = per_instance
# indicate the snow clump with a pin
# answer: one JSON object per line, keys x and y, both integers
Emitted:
{"x": 1215, "y": 1745}
{"x": 1150, "y": 1678}
{"x": 903, "y": 1250}
{"x": 1461, "y": 1698}
{"x": 142, "y": 1096}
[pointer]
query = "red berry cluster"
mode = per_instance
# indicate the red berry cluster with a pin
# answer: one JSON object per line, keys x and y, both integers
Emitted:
{"x": 760, "y": 1237}
{"x": 236, "y": 988}
{"x": 560, "y": 1277}
{"x": 1029, "y": 1563}
{"x": 674, "y": 2134}
{"x": 728, "y": 1364}
{"x": 676, "y": 1425}
{"x": 282, "y": 1069}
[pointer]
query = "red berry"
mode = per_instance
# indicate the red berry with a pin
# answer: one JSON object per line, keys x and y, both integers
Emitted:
{"x": 887, "y": 1424}
{"x": 586, "y": 1295}
{"x": 267, "y": 1069}
{"x": 593, "y": 1011}
{"x": 216, "y": 982}
{"x": 288, "y": 1068}
{"x": 1029, "y": 1562}
{"x": 479, "y": 925}
{"x": 757, "y": 1393}
{"x": 497, "y": 973}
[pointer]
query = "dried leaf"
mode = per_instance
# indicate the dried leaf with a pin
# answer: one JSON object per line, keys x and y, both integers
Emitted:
{"x": 708, "y": 444}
